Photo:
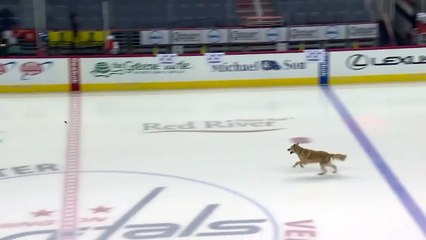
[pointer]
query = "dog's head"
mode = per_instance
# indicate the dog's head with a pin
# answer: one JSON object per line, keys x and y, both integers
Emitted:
{"x": 294, "y": 148}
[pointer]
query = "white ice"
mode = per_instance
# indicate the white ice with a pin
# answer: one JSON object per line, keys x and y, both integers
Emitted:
{"x": 232, "y": 182}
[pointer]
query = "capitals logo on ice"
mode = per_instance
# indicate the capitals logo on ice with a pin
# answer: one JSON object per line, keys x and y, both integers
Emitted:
{"x": 224, "y": 126}
{"x": 157, "y": 206}
{"x": 6, "y": 67}
{"x": 30, "y": 69}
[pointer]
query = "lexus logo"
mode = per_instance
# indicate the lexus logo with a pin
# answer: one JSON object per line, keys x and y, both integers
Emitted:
{"x": 360, "y": 61}
{"x": 357, "y": 62}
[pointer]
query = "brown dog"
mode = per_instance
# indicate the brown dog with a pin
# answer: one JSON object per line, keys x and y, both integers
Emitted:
{"x": 307, "y": 156}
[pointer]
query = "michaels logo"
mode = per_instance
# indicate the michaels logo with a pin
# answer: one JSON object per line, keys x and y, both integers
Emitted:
{"x": 265, "y": 65}
{"x": 268, "y": 65}
{"x": 226, "y": 126}
{"x": 236, "y": 67}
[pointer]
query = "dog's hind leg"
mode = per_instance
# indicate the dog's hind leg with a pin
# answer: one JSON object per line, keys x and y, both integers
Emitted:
{"x": 324, "y": 170}
{"x": 333, "y": 166}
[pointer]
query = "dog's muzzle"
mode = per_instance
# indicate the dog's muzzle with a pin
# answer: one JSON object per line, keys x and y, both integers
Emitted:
{"x": 291, "y": 152}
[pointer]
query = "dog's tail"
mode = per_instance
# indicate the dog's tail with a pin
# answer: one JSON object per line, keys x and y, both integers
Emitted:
{"x": 341, "y": 157}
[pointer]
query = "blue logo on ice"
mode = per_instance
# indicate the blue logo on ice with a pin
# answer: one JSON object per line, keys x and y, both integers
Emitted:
{"x": 214, "y": 36}
{"x": 155, "y": 37}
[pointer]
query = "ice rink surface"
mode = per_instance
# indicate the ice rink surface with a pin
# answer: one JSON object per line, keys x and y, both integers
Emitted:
{"x": 213, "y": 164}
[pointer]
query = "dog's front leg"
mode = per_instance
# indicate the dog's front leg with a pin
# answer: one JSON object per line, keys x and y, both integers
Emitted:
{"x": 298, "y": 163}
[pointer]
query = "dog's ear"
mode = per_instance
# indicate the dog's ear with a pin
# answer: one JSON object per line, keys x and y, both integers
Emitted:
{"x": 297, "y": 144}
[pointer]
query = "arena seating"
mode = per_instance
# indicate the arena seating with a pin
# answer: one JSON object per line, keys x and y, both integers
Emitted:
{"x": 298, "y": 12}
{"x": 258, "y": 13}
{"x": 128, "y": 17}
{"x": 88, "y": 14}
{"x": 170, "y": 13}
{"x": 131, "y": 14}
{"x": 22, "y": 14}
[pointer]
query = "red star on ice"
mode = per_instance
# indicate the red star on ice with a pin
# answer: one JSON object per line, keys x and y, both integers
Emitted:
{"x": 42, "y": 213}
{"x": 100, "y": 209}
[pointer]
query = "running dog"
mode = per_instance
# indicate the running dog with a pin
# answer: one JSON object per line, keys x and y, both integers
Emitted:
{"x": 307, "y": 156}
